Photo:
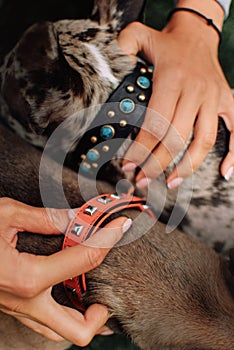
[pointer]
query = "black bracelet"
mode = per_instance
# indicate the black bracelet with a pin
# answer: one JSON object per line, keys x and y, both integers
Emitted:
{"x": 209, "y": 21}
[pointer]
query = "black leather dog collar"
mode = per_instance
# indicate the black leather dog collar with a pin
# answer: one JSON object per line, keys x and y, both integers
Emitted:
{"x": 116, "y": 120}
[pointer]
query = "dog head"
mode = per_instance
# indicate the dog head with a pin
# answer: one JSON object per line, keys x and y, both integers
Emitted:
{"x": 57, "y": 69}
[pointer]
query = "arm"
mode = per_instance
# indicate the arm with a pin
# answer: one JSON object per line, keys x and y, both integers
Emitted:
{"x": 189, "y": 90}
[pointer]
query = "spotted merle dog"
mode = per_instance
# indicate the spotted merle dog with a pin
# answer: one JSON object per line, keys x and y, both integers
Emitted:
{"x": 57, "y": 68}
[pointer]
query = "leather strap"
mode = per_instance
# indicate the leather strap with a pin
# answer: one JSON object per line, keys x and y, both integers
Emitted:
{"x": 87, "y": 221}
{"x": 118, "y": 118}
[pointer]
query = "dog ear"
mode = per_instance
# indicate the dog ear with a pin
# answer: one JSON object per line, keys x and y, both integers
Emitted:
{"x": 119, "y": 13}
{"x": 27, "y": 75}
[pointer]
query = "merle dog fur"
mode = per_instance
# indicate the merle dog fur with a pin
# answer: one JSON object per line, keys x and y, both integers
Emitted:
{"x": 179, "y": 292}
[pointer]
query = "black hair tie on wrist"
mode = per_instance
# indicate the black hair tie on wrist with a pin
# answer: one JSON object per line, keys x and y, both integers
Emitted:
{"x": 209, "y": 21}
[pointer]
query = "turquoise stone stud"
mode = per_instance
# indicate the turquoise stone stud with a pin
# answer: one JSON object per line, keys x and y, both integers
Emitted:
{"x": 93, "y": 155}
{"x": 107, "y": 132}
{"x": 85, "y": 167}
{"x": 151, "y": 69}
{"x": 127, "y": 105}
{"x": 143, "y": 82}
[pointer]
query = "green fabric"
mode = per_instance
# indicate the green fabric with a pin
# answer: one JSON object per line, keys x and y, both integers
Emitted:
{"x": 112, "y": 342}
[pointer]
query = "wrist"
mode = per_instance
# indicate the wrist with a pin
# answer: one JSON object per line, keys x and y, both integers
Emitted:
{"x": 197, "y": 26}
{"x": 209, "y": 8}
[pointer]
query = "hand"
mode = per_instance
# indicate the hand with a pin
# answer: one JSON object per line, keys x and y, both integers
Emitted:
{"x": 189, "y": 93}
{"x": 26, "y": 280}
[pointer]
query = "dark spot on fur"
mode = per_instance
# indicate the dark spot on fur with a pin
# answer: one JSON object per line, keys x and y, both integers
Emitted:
{"x": 218, "y": 246}
{"x": 200, "y": 201}
{"x": 222, "y": 142}
{"x": 65, "y": 97}
{"x": 87, "y": 35}
{"x": 220, "y": 195}
{"x": 65, "y": 32}
{"x": 89, "y": 97}
{"x": 22, "y": 83}
{"x": 67, "y": 45}
{"x": 38, "y": 94}
{"x": 110, "y": 29}
{"x": 74, "y": 59}
{"x": 90, "y": 69}
{"x": 115, "y": 70}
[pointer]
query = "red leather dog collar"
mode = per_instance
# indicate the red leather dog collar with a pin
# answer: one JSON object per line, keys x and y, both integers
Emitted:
{"x": 87, "y": 221}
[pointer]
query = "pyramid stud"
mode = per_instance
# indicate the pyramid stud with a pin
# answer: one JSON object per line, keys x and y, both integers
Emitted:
{"x": 90, "y": 210}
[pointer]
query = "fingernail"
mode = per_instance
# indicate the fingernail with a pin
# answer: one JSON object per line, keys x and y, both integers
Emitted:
{"x": 175, "y": 182}
{"x": 129, "y": 167}
{"x": 229, "y": 173}
{"x": 143, "y": 182}
{"x": 108, "y": 332}
{"x": 127, "y": 225}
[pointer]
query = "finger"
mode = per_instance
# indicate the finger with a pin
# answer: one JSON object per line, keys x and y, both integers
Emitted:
{"x": 44, "y": 220}
{"x": 40, "y": 329}
{"x": 37, "y": 273}
{"x": 226, "y": 111}
{"x": 227, "y": 166}
{"x": 175, "y": 140}
{"x": 81, "y": 258}
{"x": 205, "y": 132}
{"x": 105, "y": 331}
{"x": 66, "y": 322}
{"x": 156, "y": 123}
{"x": 80, "y": 329}
{"x": 128, "y": 43}
{"x": 22, "y": 217}
{"x": 46, "y": 316}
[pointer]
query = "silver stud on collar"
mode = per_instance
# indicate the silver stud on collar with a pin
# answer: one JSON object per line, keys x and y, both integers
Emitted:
{"x": 115, "y": 196}
{"x": 77, "y": 229}
{"x": 104, "y": 200}
{"x": 90, "y": 210}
